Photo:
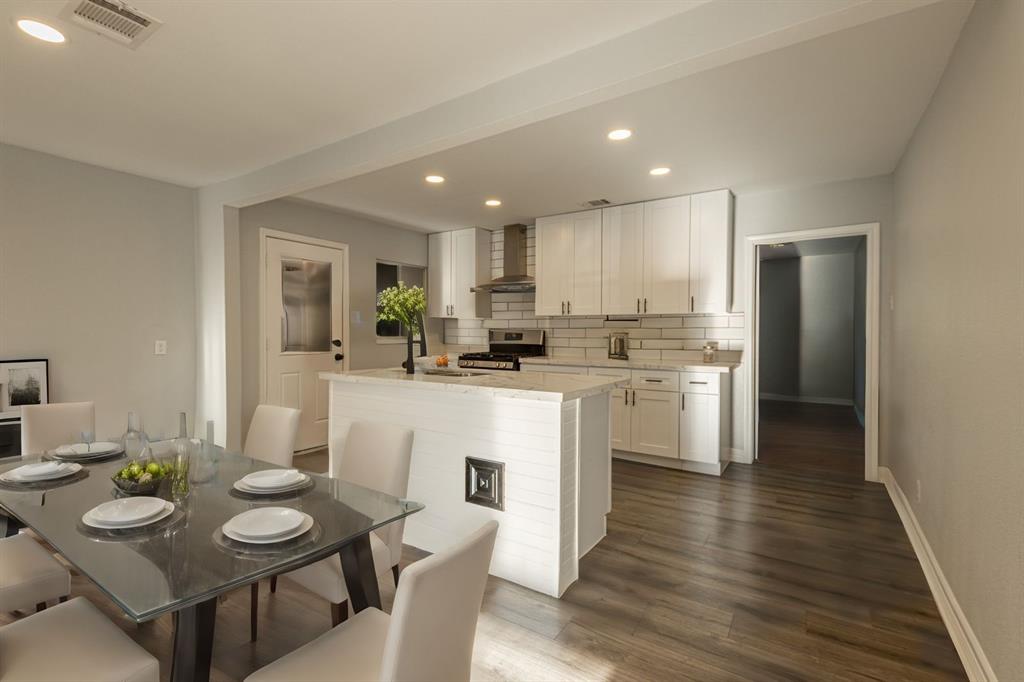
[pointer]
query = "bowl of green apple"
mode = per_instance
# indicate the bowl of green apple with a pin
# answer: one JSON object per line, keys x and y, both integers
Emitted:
{"x": 142, "y": 477}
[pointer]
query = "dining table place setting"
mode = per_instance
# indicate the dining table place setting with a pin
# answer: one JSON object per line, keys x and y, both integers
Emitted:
{"x": 87, "y": 452}
{"x": 129, "y": 517}
{"x": 272, "y": 484}
{"x": 42, "y": 475}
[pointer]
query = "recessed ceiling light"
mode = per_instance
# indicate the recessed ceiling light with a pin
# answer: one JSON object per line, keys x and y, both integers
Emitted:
{"x": 38, "y": 29}
{"x": 620, "y": 134}
{"x": 493, "y": 202}
{"x": 661, "y": 170}
{"x": 434, "y": 179}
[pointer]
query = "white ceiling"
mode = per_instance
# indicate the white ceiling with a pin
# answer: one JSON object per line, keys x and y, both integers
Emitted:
{"x": 218, "y": 91}
{"x": 811, "y": 247}
{"x": 840, "y": 106}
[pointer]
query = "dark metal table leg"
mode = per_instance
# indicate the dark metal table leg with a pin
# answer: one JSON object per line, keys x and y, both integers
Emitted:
{"x": 360, "y": 575}
{"x": 193, "y": 642}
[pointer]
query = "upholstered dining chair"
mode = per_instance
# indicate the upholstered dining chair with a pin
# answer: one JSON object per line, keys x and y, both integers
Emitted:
{"x": 72, "y": 641}
{"x": 46, "y": 427}
{"x": 428, "y": 636}
{"x": 29, "y": 575}
{"x": 376, "y": 456}
{"x": 271, "y": 436}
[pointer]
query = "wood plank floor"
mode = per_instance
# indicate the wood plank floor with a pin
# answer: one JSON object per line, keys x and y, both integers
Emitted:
{"x": 809, "y": 436}
{"x": 768, "y": 573}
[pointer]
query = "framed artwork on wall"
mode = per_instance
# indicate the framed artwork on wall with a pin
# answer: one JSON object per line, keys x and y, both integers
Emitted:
{"x": 22, "y": 382}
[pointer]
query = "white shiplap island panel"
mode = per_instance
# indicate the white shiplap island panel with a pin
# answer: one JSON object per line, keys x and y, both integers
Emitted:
{"x": 553, "y": 439}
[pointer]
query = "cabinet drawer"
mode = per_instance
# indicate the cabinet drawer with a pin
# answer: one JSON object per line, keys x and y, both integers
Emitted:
{"x": 617, "y": 372}
{"x": 655, "y": 380}
{"x": 701, "y": 382}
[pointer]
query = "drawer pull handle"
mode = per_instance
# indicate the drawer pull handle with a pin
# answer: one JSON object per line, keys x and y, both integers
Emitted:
{"x": 699, "y": 382}
{"x": 657, "y": 381}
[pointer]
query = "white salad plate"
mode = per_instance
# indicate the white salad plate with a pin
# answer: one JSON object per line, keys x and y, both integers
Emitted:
{"x": 127, "y": 510}
{"x": 40, "y": 471}
{"x": 166, "y": 510}
{"x": 304, "y": 526}
{"x": 264, "y": 523}
{"x": 241, "y": 486}
{"x": 273, "y": 479}
{"x": 97, "y": 449}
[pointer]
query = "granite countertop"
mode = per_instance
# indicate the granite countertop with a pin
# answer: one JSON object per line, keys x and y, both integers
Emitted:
{"x": 505, "y": 384}
{"x": 671, "y": 365}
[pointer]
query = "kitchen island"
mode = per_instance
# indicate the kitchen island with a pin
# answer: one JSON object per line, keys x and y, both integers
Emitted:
{"x": 529, "y": 450}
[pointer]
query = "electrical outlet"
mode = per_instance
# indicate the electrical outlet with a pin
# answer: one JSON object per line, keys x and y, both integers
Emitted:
{"x": 917, "y": 493}
{"x": 160, "y": 347}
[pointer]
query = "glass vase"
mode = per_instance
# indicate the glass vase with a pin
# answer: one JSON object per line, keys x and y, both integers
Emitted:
{"x": 134, "y": 441}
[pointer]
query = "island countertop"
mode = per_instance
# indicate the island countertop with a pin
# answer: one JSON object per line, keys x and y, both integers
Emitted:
{"x": 506, "y": 384}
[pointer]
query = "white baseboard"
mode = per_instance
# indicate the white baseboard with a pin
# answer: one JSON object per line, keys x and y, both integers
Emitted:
{"x": 739, "y": 455}
{"x": 805, "y": 399}
{"x": 967, "y": 645}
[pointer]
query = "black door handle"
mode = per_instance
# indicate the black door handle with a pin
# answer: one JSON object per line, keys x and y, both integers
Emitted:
{"x": 338, "y": 357}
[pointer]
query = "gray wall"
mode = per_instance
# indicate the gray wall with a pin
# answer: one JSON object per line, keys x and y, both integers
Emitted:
{"x": 953, "y": 402}
{"x": 780, "y": 327}
{"x": 368, "y": 241}
{"x": 826, "y": 326}
{"x": 95, "y": 265}
{"x": 860, "y": 262}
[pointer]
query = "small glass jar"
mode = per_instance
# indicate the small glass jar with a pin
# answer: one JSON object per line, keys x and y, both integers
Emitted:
{"x": 709, "y": 353}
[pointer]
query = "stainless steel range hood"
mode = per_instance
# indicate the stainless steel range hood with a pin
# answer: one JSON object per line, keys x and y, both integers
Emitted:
{"x": 515, "y": 280}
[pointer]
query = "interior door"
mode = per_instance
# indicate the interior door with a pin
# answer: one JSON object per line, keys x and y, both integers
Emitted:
{"x": 622, "y": 240}
{"x": 439, "y": 279}
{"x": 304, "y": 322}
{"x": 655, "y": 423}
{"x": 667, "y": 256}
{"x": 554, "y": 265}
{"x": 585, "y": 296}
{"x": 698, "y": 428}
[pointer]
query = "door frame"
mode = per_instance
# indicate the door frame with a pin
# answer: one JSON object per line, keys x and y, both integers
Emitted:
{"x": 872, "y": 290}
{"x": 267, "y": 233}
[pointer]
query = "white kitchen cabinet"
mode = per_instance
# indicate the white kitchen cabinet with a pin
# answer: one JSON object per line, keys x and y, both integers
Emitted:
{"x": 711, "y": 219}
{"x": 568, "y": 271}
{"x": 458, "y": 261}
{"x": 622, "y": 248}
{"x": 620, "y": 409}
{"x": 654, "y": 422}
{"x": 666, "y": 256}
{"x": 705, "y": 427}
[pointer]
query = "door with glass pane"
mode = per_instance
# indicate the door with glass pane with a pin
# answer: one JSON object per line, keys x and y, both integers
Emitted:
{"x": 303, "y": 326}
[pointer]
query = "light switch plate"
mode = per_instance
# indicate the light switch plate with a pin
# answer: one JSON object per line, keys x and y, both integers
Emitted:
{"x": 160, "y": 347}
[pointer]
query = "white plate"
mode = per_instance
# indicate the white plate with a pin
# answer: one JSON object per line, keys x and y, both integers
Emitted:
{"x": 270, "y": 479}
{"x": 307, "y": 523}
{"x": 264, "y": 522}
{"x": 80, "y": 449}
{"x": 36, "y": 473}
{"x": 240, "y": 485}
{"x": 89, "y": 520}
{"x": 127, "y": 510}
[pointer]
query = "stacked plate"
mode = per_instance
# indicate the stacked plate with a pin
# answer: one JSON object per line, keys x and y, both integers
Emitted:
{"x": 83, "y": 452}
{"x": 128, "y": 512}
{"x": 40, "y": 472}
{"x": 272, "y": 482}
{"x": 267, "y": 525}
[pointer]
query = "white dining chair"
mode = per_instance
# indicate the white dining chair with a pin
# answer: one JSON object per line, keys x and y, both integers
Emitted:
{"x": 29, "y": 575}
{"x": 428, "y": 636}
{"x": 271, "y": 436}
{"x": 376, "y": 456}
{"x": 46, "y": 427}
{"x": 72, "y": 641}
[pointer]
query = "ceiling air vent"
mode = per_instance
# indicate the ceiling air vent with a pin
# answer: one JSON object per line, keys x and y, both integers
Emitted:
{"x": 112, "y": 19}
{"x": 594, "y": 203}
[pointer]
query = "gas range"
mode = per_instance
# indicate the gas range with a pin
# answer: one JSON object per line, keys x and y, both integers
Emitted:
{"x": 506, "y": 347}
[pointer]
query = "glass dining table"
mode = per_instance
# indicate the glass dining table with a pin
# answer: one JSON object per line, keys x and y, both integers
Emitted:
{"x": 182, "y": 564}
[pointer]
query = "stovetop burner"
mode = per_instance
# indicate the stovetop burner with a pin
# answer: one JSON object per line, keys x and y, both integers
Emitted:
{"x": 506, "y": 347}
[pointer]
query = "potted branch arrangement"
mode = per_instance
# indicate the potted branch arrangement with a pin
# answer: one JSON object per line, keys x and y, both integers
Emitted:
{"x": 405, "y": 305}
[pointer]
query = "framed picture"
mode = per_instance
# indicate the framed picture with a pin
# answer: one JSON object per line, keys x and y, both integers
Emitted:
{"x": 22, "y": 382}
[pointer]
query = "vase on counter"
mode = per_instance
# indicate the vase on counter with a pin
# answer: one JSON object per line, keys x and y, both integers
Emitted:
{"x": 410, "y": 364}
{"x": 134, "y": 440}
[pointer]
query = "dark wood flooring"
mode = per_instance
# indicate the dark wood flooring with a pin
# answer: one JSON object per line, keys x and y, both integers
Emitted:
{"x": 811, "y": 437}
{"x": 767, "y": 573}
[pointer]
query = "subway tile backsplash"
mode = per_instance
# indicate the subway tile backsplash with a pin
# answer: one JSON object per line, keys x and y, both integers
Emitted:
{"x": 665, "y": 337}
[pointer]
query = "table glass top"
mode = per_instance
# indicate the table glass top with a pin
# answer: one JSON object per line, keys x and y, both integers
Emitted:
{"x": 184, "y": 559}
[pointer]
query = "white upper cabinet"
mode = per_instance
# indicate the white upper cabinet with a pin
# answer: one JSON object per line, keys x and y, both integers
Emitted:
{"x": 622, "y": 281}
{"x": 568, "y": 269}
{"x": 666, "y": 256}
{"x": 711, "y": 218}
{"x": 458, "y": 261}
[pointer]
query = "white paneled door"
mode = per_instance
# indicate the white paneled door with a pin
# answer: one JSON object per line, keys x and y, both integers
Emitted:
{"x": 304, "y": 330}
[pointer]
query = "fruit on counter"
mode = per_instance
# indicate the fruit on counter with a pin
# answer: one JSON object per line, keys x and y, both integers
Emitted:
{"x": 442, "y": 360}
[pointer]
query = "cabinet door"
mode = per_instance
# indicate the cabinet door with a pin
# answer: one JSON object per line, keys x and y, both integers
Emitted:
{"x": 711, "y": 252}
{"x": 585, "y": 295}
{"x": 439, "y": 274}
{"x": 554, "y": 265}
{"x": 698, "y": 428}
{"x": 464, "y": 270}
{"x": 654, "y": 423}
{"x": 622, "y": 256}
{"x": 620, "y": 418}
{"x": 667, "y": 256}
